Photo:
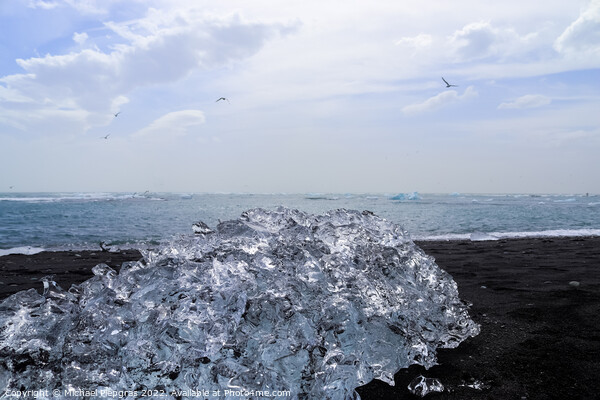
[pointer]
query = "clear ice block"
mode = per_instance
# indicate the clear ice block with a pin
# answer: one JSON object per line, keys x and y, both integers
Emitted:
{"x": 275, "y": 300}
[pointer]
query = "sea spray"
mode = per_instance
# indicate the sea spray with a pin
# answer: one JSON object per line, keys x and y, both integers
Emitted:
{"x": 309, "y": 305}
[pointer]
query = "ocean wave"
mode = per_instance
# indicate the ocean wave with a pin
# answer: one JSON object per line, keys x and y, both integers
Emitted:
{"x": 320, "y": 196}
{"x": 479, "y": 236}
{"x": 569, "y": 200}
{"x": 74, "y": 197}
{"x": 27, "y": 250}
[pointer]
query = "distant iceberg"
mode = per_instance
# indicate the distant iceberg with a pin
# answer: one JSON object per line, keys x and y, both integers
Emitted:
{"x": 406, "y": 196}
{"x": 316, "y": 305}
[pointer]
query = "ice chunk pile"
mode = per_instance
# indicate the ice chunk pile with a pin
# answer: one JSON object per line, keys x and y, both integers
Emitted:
{"x": 273, "y": 301}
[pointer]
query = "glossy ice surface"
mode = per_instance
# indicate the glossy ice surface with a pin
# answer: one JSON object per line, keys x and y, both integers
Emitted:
{"x": 274, "y": 300}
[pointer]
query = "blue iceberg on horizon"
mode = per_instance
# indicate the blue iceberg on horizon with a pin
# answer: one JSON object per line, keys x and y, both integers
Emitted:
{"x": 406, "y": 196}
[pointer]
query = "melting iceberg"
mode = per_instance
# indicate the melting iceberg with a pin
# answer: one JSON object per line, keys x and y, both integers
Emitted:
{"x": 273, "y": 301}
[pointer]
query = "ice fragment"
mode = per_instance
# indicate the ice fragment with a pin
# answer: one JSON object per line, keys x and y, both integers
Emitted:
{"x": 421, "y": 386}
{"x": 201, "y": 228}
{"x": 275, "y": 300}
{"x": 476, "y": 384}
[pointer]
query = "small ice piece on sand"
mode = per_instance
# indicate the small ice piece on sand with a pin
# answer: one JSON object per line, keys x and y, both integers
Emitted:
{"x": 476, "y": 384}
{"x": 574, "y": 284}
{"x": 421, "y": 386}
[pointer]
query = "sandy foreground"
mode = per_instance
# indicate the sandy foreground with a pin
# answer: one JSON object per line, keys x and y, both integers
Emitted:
{"x": 537, "y": 301}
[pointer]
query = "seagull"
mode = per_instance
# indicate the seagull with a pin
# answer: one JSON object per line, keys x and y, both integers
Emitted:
{"x": 105, "y": 137}
{"x": 447, "y": 84}
{"x": 222, "y": 98}
{"x": 117, "y": 114}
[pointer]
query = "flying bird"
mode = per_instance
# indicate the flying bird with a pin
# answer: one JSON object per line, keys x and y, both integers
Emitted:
{"x": 117, "y": 114}
{"x": 447, "y": 84}
{"x": 105, "y": 137}
{"x": 222, "y": 98}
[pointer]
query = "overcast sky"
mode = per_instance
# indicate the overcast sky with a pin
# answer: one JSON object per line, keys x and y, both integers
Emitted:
{"x": 324, "y": 96}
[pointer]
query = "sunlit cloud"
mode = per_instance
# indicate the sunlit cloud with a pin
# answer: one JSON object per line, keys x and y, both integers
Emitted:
{"x": 82, "y": 6}
{"x": 527, "y": 101}
{"x": 46, "y": 5}
{"x": 310, "y": 77}
{"x": 80, "y": 38}
{"x": 475, "y": 40}
{"x": 583, "y": 35}
{"x": 177, "y": 123}
{"x": 484, "y": 41}
{"x": 420, "y": 41}
{"x": 439, "y": 101}
{"x": 158, "y": 49}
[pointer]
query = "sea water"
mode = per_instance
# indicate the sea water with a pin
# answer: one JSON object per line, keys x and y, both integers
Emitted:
{"x": 30, "y": 222}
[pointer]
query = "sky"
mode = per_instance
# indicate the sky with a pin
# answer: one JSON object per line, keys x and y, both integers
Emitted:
{"x": 322, "y": 96}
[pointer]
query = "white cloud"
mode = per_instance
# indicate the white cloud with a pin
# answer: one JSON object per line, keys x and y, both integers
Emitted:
{"x": 481, "y": 40}
{"x": 441, "y": 100}
{"x": 527, "y": 101}
{"x": 346, "y": 70}
{"x": 420, "y": 41}
{"x": 161, "y": 48}
{"x": 475, "y": 40}
{"x": 90, "y": 6}
{"x": 82, "y": 6}
{"x": 583, "y": 34}
{"x": 46, "y": 5}
{"x": 589, "y": 137}
{"x": 12, "y": 96}
{"x": 177, "y": 123}
{"x": 80, "y": 38}
{"x": 117, "y": 103}
{"x": 419, "y": 47}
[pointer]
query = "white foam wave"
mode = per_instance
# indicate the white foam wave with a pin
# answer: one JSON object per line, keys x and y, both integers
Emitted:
{"x": 481, "y": 236}
{"x": 66, "y": 197}
{"x": 27, "y": 250}
{"x": 478, "y": 236}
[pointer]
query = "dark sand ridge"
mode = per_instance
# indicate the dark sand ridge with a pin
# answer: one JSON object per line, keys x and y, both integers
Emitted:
{"x": 540, "y": 335}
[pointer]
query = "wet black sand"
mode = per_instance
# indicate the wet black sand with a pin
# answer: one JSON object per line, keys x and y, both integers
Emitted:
{"x": 540, "y": 335}
{"x": 21, "y": 272}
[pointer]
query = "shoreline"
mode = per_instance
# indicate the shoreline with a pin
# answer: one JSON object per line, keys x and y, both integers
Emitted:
{"x": 25, "y": 271}
{"x": 539, "y": 330}
{"x": 477, "y": 236}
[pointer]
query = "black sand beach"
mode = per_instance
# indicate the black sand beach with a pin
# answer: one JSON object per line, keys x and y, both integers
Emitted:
{"x": 537, "y": 300}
